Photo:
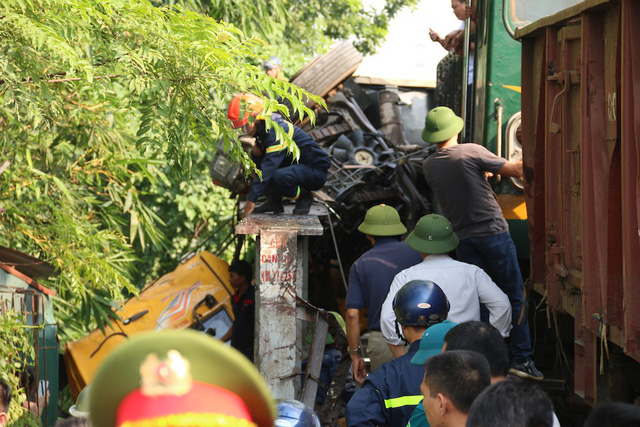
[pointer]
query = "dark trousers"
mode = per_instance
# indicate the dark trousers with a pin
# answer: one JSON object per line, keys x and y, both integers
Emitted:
{"x": 285, "y": 181}
{"x": 496, "y": 255}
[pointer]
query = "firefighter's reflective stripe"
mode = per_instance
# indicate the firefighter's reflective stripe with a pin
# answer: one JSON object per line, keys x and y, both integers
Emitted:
{"x": 403, "y": 401}
{"x": 275, "y": 148}
{"x": 389, "y": 395}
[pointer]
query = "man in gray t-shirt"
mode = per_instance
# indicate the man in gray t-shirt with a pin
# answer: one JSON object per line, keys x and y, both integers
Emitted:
{"x": 457, "y": 173}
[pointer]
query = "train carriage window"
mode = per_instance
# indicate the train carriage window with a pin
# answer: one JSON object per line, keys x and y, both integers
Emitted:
{"x": 518, "y": 13}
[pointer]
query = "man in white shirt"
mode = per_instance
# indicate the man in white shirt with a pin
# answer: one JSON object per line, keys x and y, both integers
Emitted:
{"x": 465, "y": 285}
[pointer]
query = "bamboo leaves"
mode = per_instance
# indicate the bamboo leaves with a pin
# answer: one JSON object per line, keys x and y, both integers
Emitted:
{"x": 107, "y": 111}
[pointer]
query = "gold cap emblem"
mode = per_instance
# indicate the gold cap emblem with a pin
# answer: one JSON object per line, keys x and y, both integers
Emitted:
{"x": 169, "y": 376}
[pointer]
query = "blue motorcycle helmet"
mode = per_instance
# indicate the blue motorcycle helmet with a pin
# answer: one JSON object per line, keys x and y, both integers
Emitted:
{"x": 420, "y": 303}
{"x": 292, "y": 413}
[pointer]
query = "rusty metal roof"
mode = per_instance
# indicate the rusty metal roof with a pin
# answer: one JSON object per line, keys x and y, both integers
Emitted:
{"x": 26, "y": 264}
{"x": 26, "y": 268}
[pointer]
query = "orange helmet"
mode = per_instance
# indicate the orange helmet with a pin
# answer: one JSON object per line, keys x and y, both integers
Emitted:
{"x": 253, "y": 106}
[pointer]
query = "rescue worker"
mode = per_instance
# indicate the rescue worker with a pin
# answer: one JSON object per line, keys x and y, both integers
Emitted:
{"x": 369, "y": 281}
{"x": 273, "y": 67}
{"x": 282, "y": 174}
{"x": 457, "y": 173}
{"x": 178, "y": 378}
{"x": 389, "y": 395}
{"x": 465, "y": 285}
{"x": 241, "y": 332}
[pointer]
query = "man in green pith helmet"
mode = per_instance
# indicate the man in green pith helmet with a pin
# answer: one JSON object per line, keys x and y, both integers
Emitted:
{"x": 178, "y": 378}
{"x": 369, "y": 281}
{"x": 457, "y": 173}
{"x": 465, "y": 285}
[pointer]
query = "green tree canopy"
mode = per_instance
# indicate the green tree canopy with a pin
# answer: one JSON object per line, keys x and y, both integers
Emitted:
{"x": 299, "y": 29}
{"x": 103, "y": 103}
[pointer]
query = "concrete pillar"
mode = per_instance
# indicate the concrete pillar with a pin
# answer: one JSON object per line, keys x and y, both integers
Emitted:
{"x": 281, "y": 276}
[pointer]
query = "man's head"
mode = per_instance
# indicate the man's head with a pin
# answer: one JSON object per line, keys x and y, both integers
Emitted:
{"x": 418, "y": 305}
{"x": 514, "y": 403}
{"x": 382, "y": 221}
{"x": 458, "y": 7}
{"x": 240, "y": 273}
{"x": 441, "y": 124}
{"x": 272, "y": 66}
{"x": 5, "y": 399}
{"x": 433, "y": 235}
{"x": 484, "y": 339}
{"x": 614, "y": 414}
{"x": 452, "y": 381}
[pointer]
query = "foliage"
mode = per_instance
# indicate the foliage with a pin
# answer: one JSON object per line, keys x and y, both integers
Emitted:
{"x": 200, "y": 214}
{"x": 16, "y": 350}
{"x": 106, "y": 106}
{"x": 298, "y": 29}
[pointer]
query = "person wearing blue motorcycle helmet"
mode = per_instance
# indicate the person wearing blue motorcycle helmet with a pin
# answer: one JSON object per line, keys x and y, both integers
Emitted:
{"x": 292, "y": 413}
{"x": 390, "y": 394}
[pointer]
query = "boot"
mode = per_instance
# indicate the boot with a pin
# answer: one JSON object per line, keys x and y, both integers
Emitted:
{"x": 273, "y": 204}
{"x": 304, "y": 202}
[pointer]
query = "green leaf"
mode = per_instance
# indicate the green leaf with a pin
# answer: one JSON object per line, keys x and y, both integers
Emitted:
{"x": 63, "y": 188}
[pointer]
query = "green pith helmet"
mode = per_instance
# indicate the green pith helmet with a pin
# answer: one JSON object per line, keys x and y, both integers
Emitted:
{"x": 433, "y": 235}
{"x": 178, "y": 378}
{"x": 441, "y": 124}
{"x": 329, "y": 339}
{"x": 81, "y": 408}
{"x": 382, "y": 220}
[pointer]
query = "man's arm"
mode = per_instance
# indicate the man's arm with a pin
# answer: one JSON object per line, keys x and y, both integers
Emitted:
{"x": 388, "y": 317}
{"x": 512, "y": 169}
{"x": 496, "y": 302}
{"x": 366, "y": 407}
{"x": 353, "y": 339}
{"x": 396, "y": 350}
{"x": 226, "y": 337}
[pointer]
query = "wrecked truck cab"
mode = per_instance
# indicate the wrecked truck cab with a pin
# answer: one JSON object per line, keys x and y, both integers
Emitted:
{"x": 196, "y": 295}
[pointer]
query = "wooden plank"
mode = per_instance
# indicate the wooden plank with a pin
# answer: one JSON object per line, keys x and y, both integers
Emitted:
{"x": 314, "y": 365}
{"x": 303, "y": 225}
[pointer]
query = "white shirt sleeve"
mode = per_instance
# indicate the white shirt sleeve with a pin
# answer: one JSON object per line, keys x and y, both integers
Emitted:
{"x": 387, "y": 316}
{"x": 496, "y": 302}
